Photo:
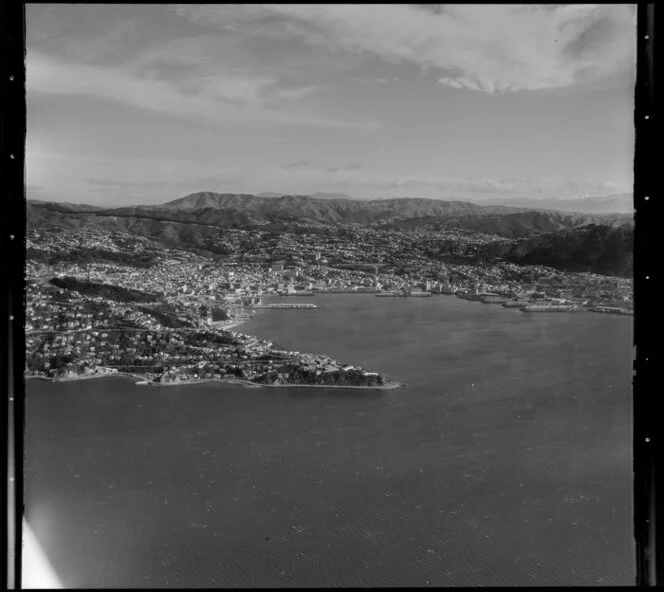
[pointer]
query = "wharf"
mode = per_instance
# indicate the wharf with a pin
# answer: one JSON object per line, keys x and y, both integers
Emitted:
{"x": 470, "y": 296}
{"x": 403, "y": 294}
{"x": 494, "y": 299}
{"x": 284, "y": 305}
{"x": 515, "y": 304}
{"x": 612, "y": 310}
{"x": 550, "y": 308}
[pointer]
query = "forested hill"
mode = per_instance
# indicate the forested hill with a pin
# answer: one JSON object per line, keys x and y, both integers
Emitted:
{"x": 600, "y": 249}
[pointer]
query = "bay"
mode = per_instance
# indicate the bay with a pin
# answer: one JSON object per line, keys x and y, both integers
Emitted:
{"x": 506, "y": 460}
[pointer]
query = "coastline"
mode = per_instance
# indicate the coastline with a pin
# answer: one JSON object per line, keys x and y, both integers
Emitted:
{"x": 392, "y": 386}
{"x": 142, "y": 381}
{"x": 84, "y": 377}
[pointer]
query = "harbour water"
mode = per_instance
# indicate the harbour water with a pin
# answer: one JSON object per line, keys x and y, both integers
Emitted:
{"x": 506, "y": 460}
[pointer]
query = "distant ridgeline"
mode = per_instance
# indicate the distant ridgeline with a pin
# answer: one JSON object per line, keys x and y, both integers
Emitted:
{"x": 600, "y": 243}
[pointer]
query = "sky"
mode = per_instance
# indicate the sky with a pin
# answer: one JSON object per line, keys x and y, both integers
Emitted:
{"x": 132, "y": 104}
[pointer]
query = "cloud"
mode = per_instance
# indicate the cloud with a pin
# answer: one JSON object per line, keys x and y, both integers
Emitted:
{"x": 374, "y": 80}
{"x": 297, "y": 164}
{"x": 220, "y": 100}
{"x": 356, "y": 166}
{"x": 508, "y": 186}
{"x": 307, "y": 163}
{"x": 461, "y": 82}
{"x": 101, "y": 182}
{"x": 489, "y": 48}
{"x": 118, "y": 192}
{"x": 354, "y": 179}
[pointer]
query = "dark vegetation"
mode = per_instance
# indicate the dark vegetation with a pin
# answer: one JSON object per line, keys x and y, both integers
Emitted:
{"x": 166, "y": 315}
{"x": 599, "y": 249}
{"x": 219, "y": 314}
{"x": 110, "y": 292}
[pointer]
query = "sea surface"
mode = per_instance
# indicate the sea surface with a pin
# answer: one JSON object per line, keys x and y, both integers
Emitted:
{"x": 506, "y": 460}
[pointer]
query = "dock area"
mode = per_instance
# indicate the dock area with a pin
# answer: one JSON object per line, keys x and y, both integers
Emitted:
{"x": 551, "y": 308}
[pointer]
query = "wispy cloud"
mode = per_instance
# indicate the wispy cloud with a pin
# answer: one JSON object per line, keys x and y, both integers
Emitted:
{"x": 354, "y": 179}
{"x": 235, "y": 99}
{"x": 460, "y": 82}
{"x": 123, "y": 183}
{"x": 297, "y": 164}
{"x": 508, "y": 186}
{"x": 375, "y": 79}
{"x": 355, "y": 166}
{"x": 490, "y": 48}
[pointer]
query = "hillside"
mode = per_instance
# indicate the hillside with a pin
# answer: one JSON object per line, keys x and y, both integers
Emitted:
{"x": 571, "y": 241}
{"x": 326, "y": 210}
{"x": 600, "y": 249}
{"x": 241, "y": 210}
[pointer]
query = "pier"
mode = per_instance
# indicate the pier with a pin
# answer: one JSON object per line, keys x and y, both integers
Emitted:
{"x": 497, "y": 299}
{"x": 612, "y": 310}
{"x": 406, "y": 294}
{"x": 285, "y": 305}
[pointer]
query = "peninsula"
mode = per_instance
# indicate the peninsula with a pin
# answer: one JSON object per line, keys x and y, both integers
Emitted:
{"x": 107, "y": 339}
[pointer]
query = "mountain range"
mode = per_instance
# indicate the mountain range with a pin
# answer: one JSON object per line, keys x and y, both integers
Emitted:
{"x": 245, "y": 210}
{"x": 196, "y": 220}
{"x": 315, "y": 195}
{"x": 331, "y": 209}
